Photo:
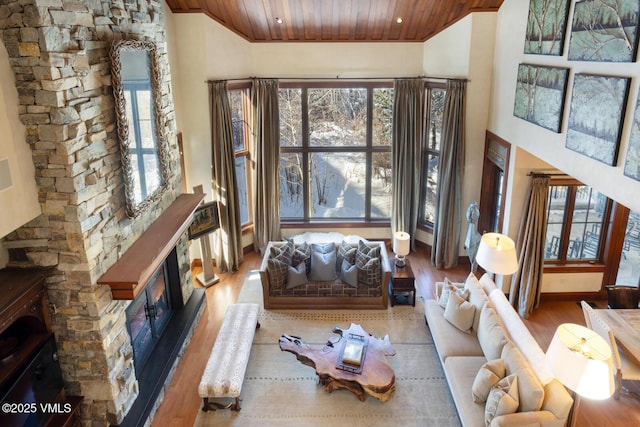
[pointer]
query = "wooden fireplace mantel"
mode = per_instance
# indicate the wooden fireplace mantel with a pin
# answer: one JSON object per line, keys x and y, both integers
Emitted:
{"x": 128, "y": 276}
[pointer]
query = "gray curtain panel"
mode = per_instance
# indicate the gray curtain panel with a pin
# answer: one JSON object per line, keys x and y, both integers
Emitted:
{"x": 524, "y": 293}
{"x": 266, "y": 155}
{"x": 408, "y": 129}
{"x": 228, "y": 244}
{"x": 446, "y": 230}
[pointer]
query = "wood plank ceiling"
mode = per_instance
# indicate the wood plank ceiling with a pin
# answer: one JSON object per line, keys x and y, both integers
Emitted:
{"x": 335, "y": 20}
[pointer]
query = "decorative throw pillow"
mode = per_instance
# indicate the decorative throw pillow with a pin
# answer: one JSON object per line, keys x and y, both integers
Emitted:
{"x": 449, "y": 287}
{"x": 277, "y": 271}
{"x": 368, "y": 264}
{"x": 459, "y": 313}
{"x": 503, "y": 399}
{"x": 324, "y": 248}
{"x": 302, "y": 254}
{"x": 297, "y": 276}
{"x": 349, "y": 273}
{"x": 323, "y": 266}
{"x": 283, "y": 252}
{"x": 345, "y": 251}
{"x": 488, "y": 375}
{"x": 491, "y": 334}
{"x": 531, "y": 391}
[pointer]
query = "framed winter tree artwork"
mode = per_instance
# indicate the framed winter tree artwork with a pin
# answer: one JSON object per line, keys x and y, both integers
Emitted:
{"x": 546, "y": 27}
{"x": 595, "y": 119}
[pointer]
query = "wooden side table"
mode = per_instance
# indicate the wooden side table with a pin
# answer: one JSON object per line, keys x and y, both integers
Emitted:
{"x": 402, "y": 283}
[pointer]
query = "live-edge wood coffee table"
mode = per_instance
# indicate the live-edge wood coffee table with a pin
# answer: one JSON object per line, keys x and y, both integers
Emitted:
{"x": 377, "y": 378}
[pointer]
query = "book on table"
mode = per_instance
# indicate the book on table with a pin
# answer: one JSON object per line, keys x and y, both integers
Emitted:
{"x": 354, "y": 348}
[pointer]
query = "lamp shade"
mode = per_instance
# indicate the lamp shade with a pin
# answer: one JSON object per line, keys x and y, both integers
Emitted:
{"x": 401, "y": 243}
{"x": 581, "y": 360}
{"x": 497, "y": 254}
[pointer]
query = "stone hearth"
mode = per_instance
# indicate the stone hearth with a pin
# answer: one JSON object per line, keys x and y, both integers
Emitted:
{"x": 59, "y": 52}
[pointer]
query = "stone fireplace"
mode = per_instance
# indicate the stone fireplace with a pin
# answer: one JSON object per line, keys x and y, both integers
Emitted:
{"x": 59, "y": 53}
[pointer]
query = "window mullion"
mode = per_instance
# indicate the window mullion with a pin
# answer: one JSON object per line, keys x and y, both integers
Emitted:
{"x": 568, "y": 221}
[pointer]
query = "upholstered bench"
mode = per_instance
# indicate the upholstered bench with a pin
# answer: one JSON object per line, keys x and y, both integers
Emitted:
{"x": 227, "y": 364}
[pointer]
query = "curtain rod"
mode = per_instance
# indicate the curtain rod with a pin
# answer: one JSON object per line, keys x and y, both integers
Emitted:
{"x": 336, "y": 78}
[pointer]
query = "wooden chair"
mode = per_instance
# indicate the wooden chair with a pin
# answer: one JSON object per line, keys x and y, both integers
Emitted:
{"x": 622, "y": 296}
{"x": 625, "y": 368}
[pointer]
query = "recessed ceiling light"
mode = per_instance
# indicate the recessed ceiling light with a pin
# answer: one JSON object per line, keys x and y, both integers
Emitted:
{"x": 399, "y": 19}
{"x": 279, "y": 20}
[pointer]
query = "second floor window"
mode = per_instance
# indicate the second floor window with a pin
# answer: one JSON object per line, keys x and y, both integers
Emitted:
{"x": 575, "y": 217}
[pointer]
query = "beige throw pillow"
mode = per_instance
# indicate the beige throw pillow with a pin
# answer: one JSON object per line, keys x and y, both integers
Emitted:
{"x": 488, "y": 375}
{"x": 459, "y": 313}
{"x": 531, "y": 389}
{"x": 491, "y": 334}
{"x": 447, "y": 288}
{"x": 503, "y": 399}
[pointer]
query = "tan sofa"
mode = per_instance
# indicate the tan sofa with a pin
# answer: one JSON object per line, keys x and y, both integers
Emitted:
{"x": 497, "y": 333}
{"x": 327, "y": 294}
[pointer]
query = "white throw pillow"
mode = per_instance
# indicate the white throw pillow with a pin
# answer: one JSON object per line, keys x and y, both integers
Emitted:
{"x": 488, "y": 375}
{"x": 503, "y": 399}
{"x": 459, "y": 313}
{"x": 449, "y": 287}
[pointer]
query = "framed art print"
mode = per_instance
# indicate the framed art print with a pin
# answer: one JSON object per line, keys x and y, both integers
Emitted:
{"x": 540, "y": 93}
{"x": 546, "y": 27}
{"x": 595, "y": 119}
{"x": 604, "y": 31}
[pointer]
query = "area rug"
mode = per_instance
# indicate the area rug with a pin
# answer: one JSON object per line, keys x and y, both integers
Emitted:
{"x": 280, "y": 391}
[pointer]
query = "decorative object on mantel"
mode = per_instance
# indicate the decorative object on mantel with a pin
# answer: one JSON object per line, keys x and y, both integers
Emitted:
{"x": 581, "y": 360}
{"x": 604, "y": 31}
{"x": 540, "y": 93}
{"x": 595, "y": 120}
{"x": 497, "y": 254}
{"x": 546, "y": 27}
{"x": 206, "y": 220}
{"x": 401, "y": 246}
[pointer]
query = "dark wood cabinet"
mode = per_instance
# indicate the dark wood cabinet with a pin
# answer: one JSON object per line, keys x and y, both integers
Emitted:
{"x": 31, "y": 385}
{"x": 402, "y": 289}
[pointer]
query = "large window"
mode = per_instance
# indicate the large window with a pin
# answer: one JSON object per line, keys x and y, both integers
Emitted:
{"x": 335, "y": 144}
{"x": 239, "y": 103}
{"x": 575, "y": 218}
{"x": 435, "y": 109}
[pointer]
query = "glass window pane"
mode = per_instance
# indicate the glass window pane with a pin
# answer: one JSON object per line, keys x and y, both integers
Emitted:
{"x": 629, "y": 268}
{"x": 243, "y": 188}
{"x": 135, "y": 170}
{"x": 381, "y": 186}
{"x": 237, "y": 118}
{"x": 337, "y": 117}
{"x": 431, "y": 188}
{"x": 144, "y": 104}
{"x": 291, "y": 194}
{"x": 382, "y": 116}
{"x": 290, "y": 104}
{"x": 586, "y": 223}
{"x": 130, "y": 122}
{"x": 151, "y": 172}
{"x": 555, "y": 219}
{"x": 338, "y": 184}
{"x": 436, "y": 112}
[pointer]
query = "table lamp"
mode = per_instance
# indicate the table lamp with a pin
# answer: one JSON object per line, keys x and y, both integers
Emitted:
{"x": 401, "y": 247}
{"x": 497, "y": 254}
{"x": 581, "y": 360}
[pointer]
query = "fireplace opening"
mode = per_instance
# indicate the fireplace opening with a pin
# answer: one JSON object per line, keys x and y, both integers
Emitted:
{"x": 151, "y": 311}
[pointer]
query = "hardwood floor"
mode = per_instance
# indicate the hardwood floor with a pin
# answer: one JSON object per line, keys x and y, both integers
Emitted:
{"x": 182, "y": 403}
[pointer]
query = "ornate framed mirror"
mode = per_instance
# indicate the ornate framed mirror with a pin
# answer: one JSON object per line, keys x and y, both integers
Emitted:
{"x": 143, "y": 143}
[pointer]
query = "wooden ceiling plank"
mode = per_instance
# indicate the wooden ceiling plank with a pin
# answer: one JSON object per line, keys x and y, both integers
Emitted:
{"x": 335, "y": 20}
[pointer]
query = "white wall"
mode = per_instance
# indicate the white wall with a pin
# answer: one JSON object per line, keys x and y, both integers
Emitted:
{"x": 545, "y": 144}
{"x": 19, "y": 203}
